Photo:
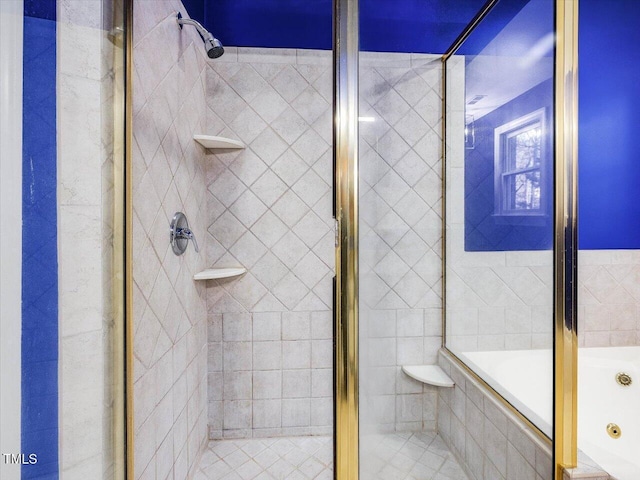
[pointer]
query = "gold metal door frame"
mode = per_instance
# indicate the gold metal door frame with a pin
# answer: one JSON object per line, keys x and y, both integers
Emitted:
{"x": 565, "y": 421}
{"x": 345, "y": 147}
{"x": 128, "y": 239}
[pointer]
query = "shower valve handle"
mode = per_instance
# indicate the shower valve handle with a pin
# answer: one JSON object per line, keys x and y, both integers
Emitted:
{"x": 189, "y": 235}
{"x": 180, "y": 234}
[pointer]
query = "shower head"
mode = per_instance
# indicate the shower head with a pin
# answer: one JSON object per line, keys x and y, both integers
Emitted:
{"x": 212, "y": 45}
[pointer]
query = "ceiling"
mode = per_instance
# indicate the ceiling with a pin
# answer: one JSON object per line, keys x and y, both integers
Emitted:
{"x": 421, "y": 26}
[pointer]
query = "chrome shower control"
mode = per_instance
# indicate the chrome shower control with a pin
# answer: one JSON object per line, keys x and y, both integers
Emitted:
{"x": 181, "y": 234}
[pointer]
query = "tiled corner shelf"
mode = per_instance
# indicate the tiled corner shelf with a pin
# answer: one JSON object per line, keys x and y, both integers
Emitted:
{"x": 430, "y": 374}
{"x": 209, "y": 141}
{"x": 216, "y": 273}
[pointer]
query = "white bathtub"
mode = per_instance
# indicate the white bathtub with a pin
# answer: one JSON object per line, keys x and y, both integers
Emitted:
{"x": 524, "y": 377}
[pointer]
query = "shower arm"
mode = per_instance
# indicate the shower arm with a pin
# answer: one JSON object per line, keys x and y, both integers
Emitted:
{"x": 204, "y": 33}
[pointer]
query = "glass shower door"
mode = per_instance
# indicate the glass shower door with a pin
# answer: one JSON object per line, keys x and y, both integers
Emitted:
{"x": 500, "y": 198}
{"x": 400, "y": 255}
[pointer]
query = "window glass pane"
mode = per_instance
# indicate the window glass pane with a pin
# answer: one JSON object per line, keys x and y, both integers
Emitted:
{"x": 523, "y": 190}
{"x": 524, "y": 148}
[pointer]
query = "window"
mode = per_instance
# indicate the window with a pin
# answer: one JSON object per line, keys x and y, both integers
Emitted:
{"x": 520, "y": 166}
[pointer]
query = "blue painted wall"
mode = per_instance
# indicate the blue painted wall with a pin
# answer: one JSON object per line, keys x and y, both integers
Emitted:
{"x": 39, "y": 241}
{"x": 406, "y": 26}
{"x": 483, "y": 230}
{"x": 609, "y": 73}
{"x": 609, "y": 172}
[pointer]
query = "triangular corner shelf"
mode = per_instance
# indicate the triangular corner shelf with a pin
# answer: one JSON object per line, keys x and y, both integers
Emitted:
{"x": 215, "y": 273}
{"x": 429, "y": 374}
{"x": 210, "y": 141}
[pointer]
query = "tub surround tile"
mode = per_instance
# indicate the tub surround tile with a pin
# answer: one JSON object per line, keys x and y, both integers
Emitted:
{"x": 586, "y": 469}
{"x": 490, "y": 441}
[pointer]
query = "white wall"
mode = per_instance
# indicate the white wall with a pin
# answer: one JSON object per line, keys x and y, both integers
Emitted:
{"x": 10, "y": 220}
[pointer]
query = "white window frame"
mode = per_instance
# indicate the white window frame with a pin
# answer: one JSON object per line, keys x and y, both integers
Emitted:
{"x": 501, "y": 133}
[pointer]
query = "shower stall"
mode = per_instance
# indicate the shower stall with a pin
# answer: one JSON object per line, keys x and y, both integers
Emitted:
{"x": 348, "y": 244}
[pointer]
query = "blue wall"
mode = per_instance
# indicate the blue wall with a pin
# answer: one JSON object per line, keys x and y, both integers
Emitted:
{"x": 609, "y": 172}
{"x": 609, "y": 175}
{"x": 385, "y": 26}
{"x": 39, "y": 243}
{"x": 483, "y": 230}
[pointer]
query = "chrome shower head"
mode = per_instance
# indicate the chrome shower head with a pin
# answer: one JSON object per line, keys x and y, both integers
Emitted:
{"x": 212, "y": 45}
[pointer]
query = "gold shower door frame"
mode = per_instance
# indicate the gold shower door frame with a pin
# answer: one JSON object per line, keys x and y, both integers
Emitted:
{"x": 565, "y": 248}
{"x": 345, "y": 168}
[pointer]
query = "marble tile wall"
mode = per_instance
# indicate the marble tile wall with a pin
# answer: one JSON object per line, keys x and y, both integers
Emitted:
{"x": 169, "y": 175}
{"x": 609, "y": 298}
{"x": 400, "y": 238}
{"x": 85, "y": 202}
{"x": 488, "y": 440}
{"x": 270, "y": 210}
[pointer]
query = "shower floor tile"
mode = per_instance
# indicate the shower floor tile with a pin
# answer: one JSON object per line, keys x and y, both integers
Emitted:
{"x": 267, "y": 459}
{"x": 400, "y": 456}
{"x": 408, "y": 456}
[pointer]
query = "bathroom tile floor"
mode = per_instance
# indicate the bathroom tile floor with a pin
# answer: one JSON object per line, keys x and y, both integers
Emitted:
{"x": 268, "y": 458}
{"x": 408, "y": 456}
{"x": 399, "y": 456}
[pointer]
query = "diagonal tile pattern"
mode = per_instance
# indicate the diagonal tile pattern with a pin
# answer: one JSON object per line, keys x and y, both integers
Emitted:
{"x": 407, "y": 456}
{"x": 275, "y": 219}
{"x": 268, "y": 459}
{"x": 392, "y": 206}
{"x": 169, "y": 175}
{"x": 284, "y": 187}
{"x": 277, "y": 203}
{"x": 400, "y": 264}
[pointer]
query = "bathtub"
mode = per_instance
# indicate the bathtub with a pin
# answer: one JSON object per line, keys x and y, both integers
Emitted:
{"x": 524, "y": 378}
